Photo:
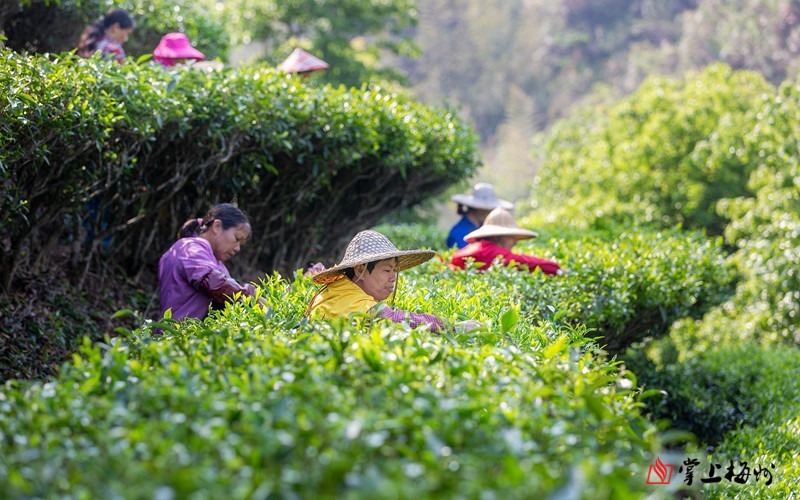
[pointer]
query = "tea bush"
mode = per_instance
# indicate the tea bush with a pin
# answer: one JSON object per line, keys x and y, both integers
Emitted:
{"x": 256, "y": 401}
{"x": 151, "y": 148}
{"x": 663, "y": 156}
{"x": 714, "y": 392}
{"x": 625, "y": 285}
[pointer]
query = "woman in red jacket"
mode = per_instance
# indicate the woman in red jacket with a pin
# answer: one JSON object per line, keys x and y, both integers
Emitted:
{"x": 496, "y": 238}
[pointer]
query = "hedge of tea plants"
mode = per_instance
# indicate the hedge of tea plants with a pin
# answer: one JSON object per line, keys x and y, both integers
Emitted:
{"x": 256, "y": 401}
{"x": 111, "y": 159}
{"x": 626, "y": 285}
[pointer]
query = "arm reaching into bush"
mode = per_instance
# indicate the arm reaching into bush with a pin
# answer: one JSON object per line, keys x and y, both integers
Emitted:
{"x": 192, "y": 275}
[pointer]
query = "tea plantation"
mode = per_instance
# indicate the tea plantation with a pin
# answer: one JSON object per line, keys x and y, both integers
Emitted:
{"x": 672, "y": 336}
{"x": 255, "y": 401}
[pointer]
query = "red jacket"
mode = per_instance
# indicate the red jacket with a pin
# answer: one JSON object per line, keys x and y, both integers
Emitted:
{"x": 484, "y": 252}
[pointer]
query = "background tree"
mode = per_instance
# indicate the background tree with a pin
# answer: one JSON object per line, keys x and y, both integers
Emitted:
{"x": 652, "y": 158}
{"x": 351, "y": 35}
{"x": 55, "y": 26}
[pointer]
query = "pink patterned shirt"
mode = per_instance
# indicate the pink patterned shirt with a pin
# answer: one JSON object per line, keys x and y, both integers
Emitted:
{"x": 413, "y": 319}
{"x": 110, "y": 47}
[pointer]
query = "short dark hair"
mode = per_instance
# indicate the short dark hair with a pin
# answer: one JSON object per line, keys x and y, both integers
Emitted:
{"x": 350, "y": 272}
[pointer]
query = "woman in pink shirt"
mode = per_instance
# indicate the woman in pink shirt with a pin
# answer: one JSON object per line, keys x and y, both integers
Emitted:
{"x": 106, "y": 35}
{"x": 496, "y": 238}
{"x": 191, "y": 274}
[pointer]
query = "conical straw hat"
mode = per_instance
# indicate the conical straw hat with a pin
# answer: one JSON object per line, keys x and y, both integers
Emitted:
{"x": 371, "y": 246}
{"x": 499, "y": 222}
{"x": 482, "y": 197}
{"x": 300, "y": 61}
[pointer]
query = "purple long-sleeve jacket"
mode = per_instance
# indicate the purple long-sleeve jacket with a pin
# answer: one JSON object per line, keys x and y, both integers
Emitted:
{"x": 191, "y": 278}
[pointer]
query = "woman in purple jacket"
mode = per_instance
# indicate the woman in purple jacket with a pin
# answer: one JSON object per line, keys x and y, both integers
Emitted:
{"x": 191, "y": 274}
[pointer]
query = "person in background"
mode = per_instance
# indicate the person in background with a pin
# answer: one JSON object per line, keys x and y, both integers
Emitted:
{"x": 175, "y": 48}
{"x": 496, "y": 238}
{"x": 192, "y": 275}
{"x": 473, "y": 208}
{"x": 107, "y": 35}
{"x": 366, "y": 276}
{"x": 302, "y": 63}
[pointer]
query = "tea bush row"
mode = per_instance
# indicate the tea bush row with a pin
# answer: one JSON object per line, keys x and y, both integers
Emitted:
{"x": 256, "y": 402}
{"x": 625, "y": 284}
{"x": 150, "y": 148}
{"x": 735, "y": 381}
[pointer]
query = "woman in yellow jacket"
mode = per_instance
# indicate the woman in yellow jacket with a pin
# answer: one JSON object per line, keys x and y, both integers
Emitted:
{"x": 366, "y": 276}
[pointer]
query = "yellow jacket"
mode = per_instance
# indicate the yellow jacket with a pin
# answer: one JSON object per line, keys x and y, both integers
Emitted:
{"x": 340, "y": 298}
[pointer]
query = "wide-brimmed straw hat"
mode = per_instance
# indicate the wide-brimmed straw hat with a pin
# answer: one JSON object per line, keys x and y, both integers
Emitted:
{"x": 499, "y": 222}
{"x": 482, "y": 197}
{"x": 370, "y": 246}
{"x": 300, "y": 61}
{"x": 175, "y": 46}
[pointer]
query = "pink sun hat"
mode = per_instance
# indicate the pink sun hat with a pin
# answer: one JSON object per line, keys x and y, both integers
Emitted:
{"x": 175, "y": 46}
{"x": 300, "y": 61}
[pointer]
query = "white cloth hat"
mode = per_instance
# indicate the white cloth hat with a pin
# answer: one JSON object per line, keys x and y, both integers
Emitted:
{"x": 482, "y": 197}
{"x": 371, "y": 246}
{"x": 499, "y": 222}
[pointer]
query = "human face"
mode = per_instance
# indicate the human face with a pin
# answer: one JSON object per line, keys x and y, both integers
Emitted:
{"x": 119, "y": 34}
{"x": 379, "y": 283}
{"x": 226, "y": 242}
{"x": 477, "y": 215}
{"x": 507, "y": 242}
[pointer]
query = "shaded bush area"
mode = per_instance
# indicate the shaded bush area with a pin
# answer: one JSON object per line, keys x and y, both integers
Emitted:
{"x": 255, "y": 402}
{"x": 717, "y": 391}
{"x": 741, "y": 400}
{"x": 44, "y": 320}
{"x": 772, "y": 442}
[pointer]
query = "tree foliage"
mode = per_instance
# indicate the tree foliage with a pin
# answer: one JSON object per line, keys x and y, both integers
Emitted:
{"x": 561, "y": 53}
{"x": 352, "y": 36}
{"x": 55, "y": 26}
{"x": 656, "y": 156}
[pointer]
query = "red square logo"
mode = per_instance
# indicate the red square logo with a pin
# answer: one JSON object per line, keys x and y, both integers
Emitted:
{"x": 659, "y": 472}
